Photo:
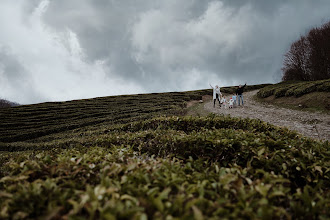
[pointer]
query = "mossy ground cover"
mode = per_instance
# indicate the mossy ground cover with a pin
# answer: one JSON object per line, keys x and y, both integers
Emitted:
{"x": 311, "y": 95}
{"x": 168, "y": 167}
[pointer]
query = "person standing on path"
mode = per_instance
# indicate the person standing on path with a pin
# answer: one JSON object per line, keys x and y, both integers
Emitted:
{"x": 216, "y": 94}
{"x": 239, "y": 93}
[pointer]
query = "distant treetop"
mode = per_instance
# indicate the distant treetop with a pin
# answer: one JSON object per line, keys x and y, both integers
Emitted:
{"x": 309, "y": 57}
{"x": 6, "y": 104}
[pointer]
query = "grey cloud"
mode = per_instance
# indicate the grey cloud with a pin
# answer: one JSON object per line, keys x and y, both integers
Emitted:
{"x": 180, "y": 45}
{"x": 12, "y": 69}
{"x": 14, "y": 77}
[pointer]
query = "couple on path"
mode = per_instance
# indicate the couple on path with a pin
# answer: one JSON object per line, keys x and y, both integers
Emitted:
{"x": 217, "y": 94}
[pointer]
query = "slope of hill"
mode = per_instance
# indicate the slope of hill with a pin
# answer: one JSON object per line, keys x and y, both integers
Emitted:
{"x": 311, "y": 95}
{"x": 29, "y": 122}
{"x": 311, "y": 124}
{"x": 135, "y": 157}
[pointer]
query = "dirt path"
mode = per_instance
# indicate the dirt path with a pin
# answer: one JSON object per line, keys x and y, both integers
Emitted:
{"x": 315, "y": 125}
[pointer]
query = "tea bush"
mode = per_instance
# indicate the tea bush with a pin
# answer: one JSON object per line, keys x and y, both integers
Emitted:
{"x": 135, "y": 157}
{"x": 172, "y": 167}
{"x": 324, "y": 87}
{"x": 296, "y": 89}
{"x": 24, "y": 123}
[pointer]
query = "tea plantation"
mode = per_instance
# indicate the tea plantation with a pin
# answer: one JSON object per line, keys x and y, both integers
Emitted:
{"x": 311, "y": 96}
{"x": 297, "y": 89}
{"x": 139, "y": 157}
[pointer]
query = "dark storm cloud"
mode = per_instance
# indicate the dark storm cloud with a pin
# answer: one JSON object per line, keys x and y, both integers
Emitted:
{"x": 85, "y": 48}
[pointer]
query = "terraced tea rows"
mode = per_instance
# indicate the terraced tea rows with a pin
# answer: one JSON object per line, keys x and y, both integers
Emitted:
{"x": 176, "y": 167}
{"x": 296, "y": 89}
{"x": 27, "y": 123}
{"x": 115, "y": 158}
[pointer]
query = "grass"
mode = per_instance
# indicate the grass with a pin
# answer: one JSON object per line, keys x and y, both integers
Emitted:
{"x": 196, "y": 108}
{"x": 310, "y": 96}
{"x": 312, "y": 102}
{"x": 157, "y": 164}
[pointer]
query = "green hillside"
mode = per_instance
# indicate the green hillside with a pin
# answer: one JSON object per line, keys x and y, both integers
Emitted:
{"x": 310, "y": 95}
{"x": 58, "y": 120}
{"x": 139, "y": 157}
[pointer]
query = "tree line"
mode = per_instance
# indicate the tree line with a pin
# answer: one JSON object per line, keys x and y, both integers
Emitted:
{"x": 309, "y": 57}
{"x": 5, "y": 104}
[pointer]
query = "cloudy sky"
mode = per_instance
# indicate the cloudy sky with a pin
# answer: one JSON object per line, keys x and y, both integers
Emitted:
{"x": 55, "y": 50}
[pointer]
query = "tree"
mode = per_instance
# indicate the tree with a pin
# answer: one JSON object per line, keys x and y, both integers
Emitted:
{"x": 319, "y": 39}
{"x": 7, "y": 104}
{"x": 309, "y": 57}
{"x": 296, "y": 61}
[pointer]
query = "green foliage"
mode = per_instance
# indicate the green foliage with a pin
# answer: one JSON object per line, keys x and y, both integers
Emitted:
{"x": 296, "y": 89}
{"x": 324, "y": 87}
{"x": 134, "y": 157}
{"x": 179, "y": 167}
{"x": 29, "y": 122}
{"x": 291, "y": 91}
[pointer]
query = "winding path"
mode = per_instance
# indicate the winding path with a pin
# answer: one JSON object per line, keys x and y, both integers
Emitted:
{"x": 315, "y": 125}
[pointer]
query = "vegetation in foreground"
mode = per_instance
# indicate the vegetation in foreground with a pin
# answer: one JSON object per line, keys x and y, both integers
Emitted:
{"x": 169, "y": 167}
{"x": 177, "y": 167}
{"x": 312, "y": 95}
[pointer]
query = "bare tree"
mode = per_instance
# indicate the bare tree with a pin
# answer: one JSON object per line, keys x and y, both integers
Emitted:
{"x": 309, "y": 57}
{"x": 319, "y": 39}
{"x": 296, "y": 62}
{"x": 6, "y": 104}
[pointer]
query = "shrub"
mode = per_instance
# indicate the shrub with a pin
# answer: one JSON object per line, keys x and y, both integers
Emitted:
{"x": 291, "y": 91}
{"x": 266, "y": 92}
{"x": 135, "y": 158}
{"x": 293, "y": 88}
{"x": 281, "y": 92}
{"x": 305, "y": 89}
{"x": 324, "y": 87}
{"x": 183, "y": 167}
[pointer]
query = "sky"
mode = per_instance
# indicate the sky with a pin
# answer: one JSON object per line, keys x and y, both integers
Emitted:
{"x": 58, "y": 50}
